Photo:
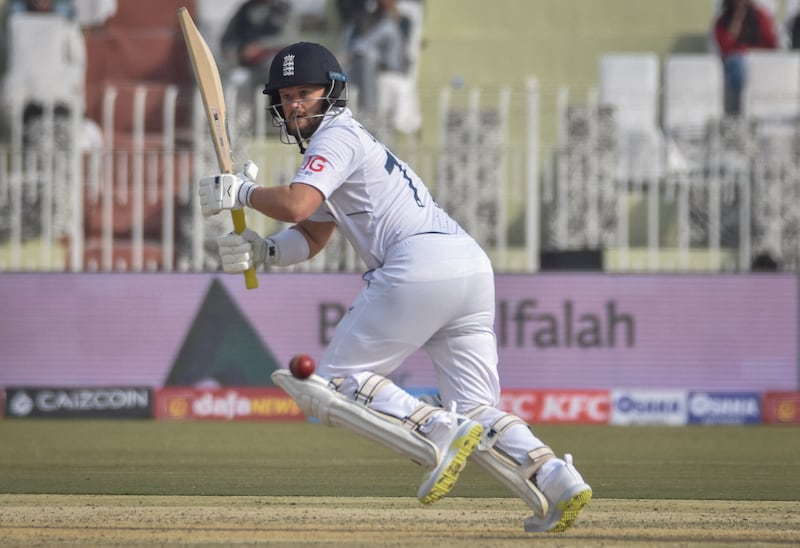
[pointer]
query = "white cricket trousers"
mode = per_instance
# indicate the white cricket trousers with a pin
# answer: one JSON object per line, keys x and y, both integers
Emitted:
{"x": 434, "y": 292}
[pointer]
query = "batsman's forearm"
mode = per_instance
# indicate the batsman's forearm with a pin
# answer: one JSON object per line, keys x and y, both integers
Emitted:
{"x": 290, "y": 203}
{"x": 317, "y": 235}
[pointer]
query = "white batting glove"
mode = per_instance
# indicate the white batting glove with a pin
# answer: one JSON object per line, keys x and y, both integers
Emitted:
{"x": 227, "y": 191}
{"x": 240, "y": 252}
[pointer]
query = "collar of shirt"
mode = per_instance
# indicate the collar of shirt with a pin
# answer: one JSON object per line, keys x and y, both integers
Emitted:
{"x": 335, "y": 113}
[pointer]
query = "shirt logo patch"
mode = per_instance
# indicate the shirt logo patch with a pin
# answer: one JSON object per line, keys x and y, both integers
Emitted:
{"x": 315, "y": 164}
{"x": 288, "y": 65}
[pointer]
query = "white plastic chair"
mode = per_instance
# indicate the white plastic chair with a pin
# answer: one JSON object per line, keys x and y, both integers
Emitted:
{"x": 693, "y": 98}
{"x": 630, "y": 84}
{"x": 772, "y": 86}
{"x": 693, "y": 93}
{"x": 46, "y": 58}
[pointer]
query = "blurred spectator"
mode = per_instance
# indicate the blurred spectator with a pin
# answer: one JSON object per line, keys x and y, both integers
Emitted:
{"x": 742, "y": 25}
{"x": 45, "y": 63}
{"x": 65, "y": 8}
{"x": 251, "y": 39}
{"x": 43, "y": 96}
{"x": 373, "y": 41}
{"x": 349, "y": 10}
{"x": 793, "y": 30}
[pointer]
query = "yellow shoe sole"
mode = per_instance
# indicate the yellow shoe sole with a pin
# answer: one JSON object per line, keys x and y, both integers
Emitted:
{"x": 448, "y": 477}
{"x": 570, "y": 509}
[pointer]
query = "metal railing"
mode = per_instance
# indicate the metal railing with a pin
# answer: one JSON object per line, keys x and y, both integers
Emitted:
{"x": 70, "y": 201}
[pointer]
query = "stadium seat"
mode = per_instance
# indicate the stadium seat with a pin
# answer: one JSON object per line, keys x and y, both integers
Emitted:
{"x": 693, "y": 93}
{"x": 692, "y": 103}
{"x": 46, "y": 59}
{"x": 630, "y": 86}
{"x": 771, "y": 94}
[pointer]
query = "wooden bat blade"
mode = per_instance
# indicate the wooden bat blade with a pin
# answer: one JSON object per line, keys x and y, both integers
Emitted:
{"x": 210, "y": 84}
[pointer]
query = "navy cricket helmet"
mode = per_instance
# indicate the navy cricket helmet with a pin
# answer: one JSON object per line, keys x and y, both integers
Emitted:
{"x": 306, "y": 63}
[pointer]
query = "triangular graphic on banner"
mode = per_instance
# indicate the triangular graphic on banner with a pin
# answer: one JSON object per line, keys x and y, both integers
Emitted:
{"x": 221, "y": 347}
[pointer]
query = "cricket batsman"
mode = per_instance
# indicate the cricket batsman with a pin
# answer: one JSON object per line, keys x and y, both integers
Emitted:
{"x": 429, "y": 286}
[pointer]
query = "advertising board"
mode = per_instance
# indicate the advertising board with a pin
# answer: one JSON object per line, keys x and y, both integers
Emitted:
{"x": 581, "y": 331}
{"x": 229, "y": 404}
{"x": 781, "y": 407}
{"x": 83, "y": 402}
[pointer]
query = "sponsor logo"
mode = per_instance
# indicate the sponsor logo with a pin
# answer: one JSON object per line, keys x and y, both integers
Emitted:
{"x": 718, "y": 408}
{"x": 313, "y": 164}
{"x": 649, "y": 407}
{"x": 20, "y": 405}
{"x": 288, "y": 65}
{"x": 558, "y": 406}
{"x": 178, "y": 408}
{"x": 225, "y": 404}
{"x": 786, "y": 411}
{"x": 526, "y": 322}
{"x": 78, "y": 402}
{"x": 628, "y": 404}
{"x": 781, "y": 408}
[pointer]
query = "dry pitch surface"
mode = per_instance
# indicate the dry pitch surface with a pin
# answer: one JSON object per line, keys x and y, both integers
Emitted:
{"x": 81, "y": 520}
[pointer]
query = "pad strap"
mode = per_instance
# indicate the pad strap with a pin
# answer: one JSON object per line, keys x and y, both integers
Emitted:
{"x": 536, "y": 459}
{"x": 370, "y": 387}
{"x": 496, "y": 430}
{"x": 420, "y": 416}
{"x": 335, "y": 383}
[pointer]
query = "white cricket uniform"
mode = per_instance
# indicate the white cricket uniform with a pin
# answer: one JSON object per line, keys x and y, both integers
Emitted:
{"x": 430, "y": 285}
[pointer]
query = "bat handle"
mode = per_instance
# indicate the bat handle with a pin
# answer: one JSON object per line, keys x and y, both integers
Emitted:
{"x": 250, "y": 279}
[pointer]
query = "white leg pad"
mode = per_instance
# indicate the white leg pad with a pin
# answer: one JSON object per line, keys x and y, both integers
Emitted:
{"x": 317, "y": 399}
{"x": 515, "y": 476}
{"x": 507, "y": 472}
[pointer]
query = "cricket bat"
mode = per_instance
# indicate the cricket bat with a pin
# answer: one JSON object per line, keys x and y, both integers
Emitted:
{"x": 208, "y": 80}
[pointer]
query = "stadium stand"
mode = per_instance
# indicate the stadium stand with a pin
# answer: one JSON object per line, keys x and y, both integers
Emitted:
{"x": 648, "y": 170}
{"x": 137, "y": 62}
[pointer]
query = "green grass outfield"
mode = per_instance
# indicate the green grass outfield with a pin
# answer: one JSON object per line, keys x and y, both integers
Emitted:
{"x": 113, "y": 457}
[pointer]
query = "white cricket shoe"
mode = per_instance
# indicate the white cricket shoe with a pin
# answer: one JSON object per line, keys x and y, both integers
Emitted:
{"x": 566, "y": 494}
{"x": 455, "y": 439}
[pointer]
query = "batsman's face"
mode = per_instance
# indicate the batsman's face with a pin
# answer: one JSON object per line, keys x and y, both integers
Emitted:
{"x": 303, "y": 109}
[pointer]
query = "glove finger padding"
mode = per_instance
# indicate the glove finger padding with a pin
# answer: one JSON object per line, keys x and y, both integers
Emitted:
{"x": 224, "y": 191}
{"x": 209, "y": 204}
{"x": 240, "y": 252}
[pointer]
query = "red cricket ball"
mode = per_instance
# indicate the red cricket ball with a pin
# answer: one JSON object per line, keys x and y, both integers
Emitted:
{"x": 302, "y": 366}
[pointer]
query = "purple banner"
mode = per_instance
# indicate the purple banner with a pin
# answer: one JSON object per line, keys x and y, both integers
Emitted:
{"x": 594, "y": 331}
